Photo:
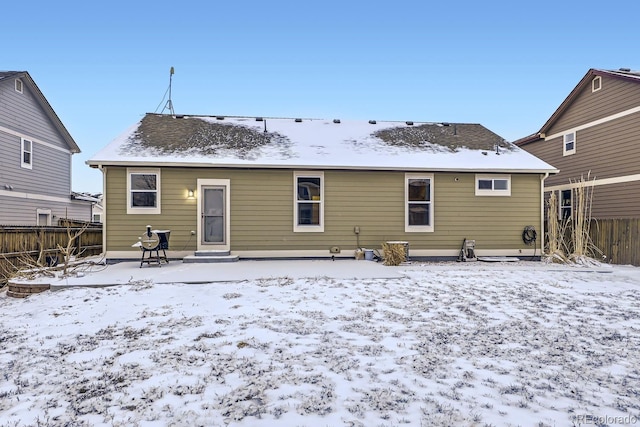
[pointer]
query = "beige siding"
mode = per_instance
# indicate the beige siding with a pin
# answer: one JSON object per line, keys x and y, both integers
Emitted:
{"x": 615, "y": 96}
{"x": 262, "y": 210}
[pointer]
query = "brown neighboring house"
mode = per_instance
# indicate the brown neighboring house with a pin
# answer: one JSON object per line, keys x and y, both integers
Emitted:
{"x": 595, "y": 133}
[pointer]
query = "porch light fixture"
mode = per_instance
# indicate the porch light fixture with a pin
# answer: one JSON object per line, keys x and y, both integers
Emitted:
{"x": 190, "y": 194}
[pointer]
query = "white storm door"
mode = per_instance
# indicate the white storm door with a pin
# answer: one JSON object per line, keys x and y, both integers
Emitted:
{"x": 213, "y": 221}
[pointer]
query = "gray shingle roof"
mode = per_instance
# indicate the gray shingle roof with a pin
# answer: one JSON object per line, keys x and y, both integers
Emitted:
{"x": 247, "y": 142}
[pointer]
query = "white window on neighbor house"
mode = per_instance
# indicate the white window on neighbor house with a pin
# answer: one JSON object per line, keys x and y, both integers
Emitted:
{"x": 596, "y": 84}
{"x": 566, "y": 204}
{"x": 569, "y": 144}
{"x": 493, "y": 185}
{"x": 26, "y": 153}
{"x": 143, "y": 191}
{"x": 418, "y": 193}
{"x": 43, "y": 216}
{"x": 19, "y": 85}
{"x": 308, "y": 211}
{"x": 96, "y": 217}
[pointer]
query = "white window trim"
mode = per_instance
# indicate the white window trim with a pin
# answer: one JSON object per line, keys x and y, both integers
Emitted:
{"x": 493, "y": 192}
{"x": 46, "y": 212}
{"x": 24, "y": 164}
{"x": 597, "y": 79}
{"x": 418, "y": 228}
{"x": 297, "y": 228}
{"x": 96, "y": 215}
{"x": 566, "y": 152}
{"x": 19, "y": 86}
{"x": 140, "y": 210}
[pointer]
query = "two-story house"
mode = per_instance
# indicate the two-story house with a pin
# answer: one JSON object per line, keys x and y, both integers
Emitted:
{"x": 595, "y": 134}
{"x": 35, "y": 159}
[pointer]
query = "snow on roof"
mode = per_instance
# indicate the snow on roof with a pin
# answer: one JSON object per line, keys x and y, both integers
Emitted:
{"x": 314, "y": 143}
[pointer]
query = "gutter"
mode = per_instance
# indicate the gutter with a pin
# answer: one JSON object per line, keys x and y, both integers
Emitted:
{"x": 157, "y": 164}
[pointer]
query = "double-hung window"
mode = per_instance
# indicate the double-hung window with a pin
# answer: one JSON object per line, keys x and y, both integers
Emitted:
{"x": 569, "y": 144}
{"x": 26, "y": 153}
{"x": 418, "y": 203}
{"x": 143, "y": 191}
{"x": 493, "y": 185}
{"x": 308, "y": 211}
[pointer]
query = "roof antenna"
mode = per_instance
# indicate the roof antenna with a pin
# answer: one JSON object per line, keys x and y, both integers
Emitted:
{"x": 169, "y": 104}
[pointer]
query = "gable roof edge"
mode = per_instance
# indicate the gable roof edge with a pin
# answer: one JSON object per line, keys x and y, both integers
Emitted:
{"x": 98, "y": 164}
{"x": 593, "y": 72}
{"x": 49, "y": 111}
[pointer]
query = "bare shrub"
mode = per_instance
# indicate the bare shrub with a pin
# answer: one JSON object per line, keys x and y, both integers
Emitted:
{"x": 569, "y": 239}
{"x": 393, "y": 254}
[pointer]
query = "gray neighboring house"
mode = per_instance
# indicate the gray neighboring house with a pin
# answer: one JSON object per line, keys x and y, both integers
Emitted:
{"x": 35, "y": 157}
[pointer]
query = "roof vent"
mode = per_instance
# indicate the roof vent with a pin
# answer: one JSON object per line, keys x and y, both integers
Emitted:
{"x": 219, "y": 117}
{"x": 445, "y": 124}
{"x": 626, "y": 70}
{"x": 298, "y": 120}
{"x": 372, "y": 122}
{"x": 179, "y": 116}
{"x": 336, "y": 120}
{"x": 259, "y": 119}
{"x": 409, "y": 123}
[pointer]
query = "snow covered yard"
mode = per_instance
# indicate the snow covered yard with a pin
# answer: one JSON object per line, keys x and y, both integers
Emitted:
{"x": 448, "y": 344}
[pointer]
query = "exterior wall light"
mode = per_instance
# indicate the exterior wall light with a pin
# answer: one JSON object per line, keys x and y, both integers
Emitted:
{"x": 190, "y": 194}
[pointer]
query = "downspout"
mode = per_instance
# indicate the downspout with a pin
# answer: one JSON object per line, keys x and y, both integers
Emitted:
{"x": 104, "y": 211}
{"x": 542, "y": 230}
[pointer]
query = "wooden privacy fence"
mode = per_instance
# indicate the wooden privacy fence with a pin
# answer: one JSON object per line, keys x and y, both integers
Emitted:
{"x": 618, "y": 239}
{"x": 18, "y": 243}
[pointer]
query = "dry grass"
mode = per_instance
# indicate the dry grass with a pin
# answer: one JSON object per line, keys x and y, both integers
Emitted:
{"x": 393, "y": 254}
{"x": 569, "y": 239}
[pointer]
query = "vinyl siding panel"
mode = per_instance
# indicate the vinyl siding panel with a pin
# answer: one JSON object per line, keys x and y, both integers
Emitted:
{"x": 616, "y": 201}
{"x": 51, "y": 169}
{"x": 22, "y": 116}
{"x": 262, "y": 210}
{"x": 607, "y": 150}
{"x": 22, "y": 113}
{"x": 615, "y": 96}
{"x": 23, "y": 211}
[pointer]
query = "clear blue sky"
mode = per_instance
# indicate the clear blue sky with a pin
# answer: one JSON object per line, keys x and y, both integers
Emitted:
{"x": 506, "y": 65}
